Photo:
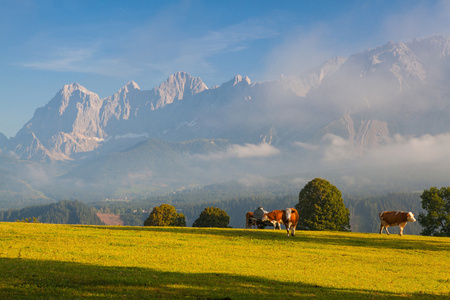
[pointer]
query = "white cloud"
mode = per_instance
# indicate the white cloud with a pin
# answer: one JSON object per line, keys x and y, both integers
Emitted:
{"x": 81, "y": 60}
{"x": 306, "y": 146}
{"x": 230, "y": 39}
{"x": 63, "y": 59}
{"x": 255, "y": 180}
{"x": 417, "y": 21}
{"x": 131, "y": 136}
{"x": 301, "y": 50}
{"x": 196, "y": 53}
{"x": 401, "y": 151}
{"x": 299, "y": 181}
{"x": 337, "y": 150}
{"x": 244, "y": 151}
{"x": 404, "y": 150}
{"x": 309, "y": 45}
{"x": 161, "y": 46}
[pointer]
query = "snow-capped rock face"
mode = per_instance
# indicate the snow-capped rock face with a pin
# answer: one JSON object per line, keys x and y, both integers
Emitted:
{"x": 302, "y": 85}
{"x": 397, "y": 59}
{"x": 72, "y": 113}
{"x": 76, "y": 120}
{"x": 176, "y": 87}
{"x": 434, "y": 54}
{"x": 431, "y": 48}
{"x": 365, "y": 99}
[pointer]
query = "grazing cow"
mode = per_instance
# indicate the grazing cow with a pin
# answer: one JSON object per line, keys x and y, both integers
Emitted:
{"x": 274, "y": 217}
{"x": 258, "y": 216}
{"x": 395, "y": 218}
{"x": 249, "y": 220}
{"x": 290, "y": 220}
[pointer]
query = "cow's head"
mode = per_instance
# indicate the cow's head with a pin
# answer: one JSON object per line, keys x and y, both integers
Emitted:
{"x": 410, "y": 217}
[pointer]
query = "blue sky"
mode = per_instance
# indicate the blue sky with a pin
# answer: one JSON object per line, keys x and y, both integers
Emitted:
{"x": 102, "y": 45}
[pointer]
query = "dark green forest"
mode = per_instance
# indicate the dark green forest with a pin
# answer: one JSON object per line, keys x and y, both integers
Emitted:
{"x": 63, "y": 212}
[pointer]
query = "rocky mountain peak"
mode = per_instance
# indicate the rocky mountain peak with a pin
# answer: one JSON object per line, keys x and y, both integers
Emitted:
{"x": 177, "y": 86}
{"x": 72, "y": 93}
{"x": 434, "y": 46}
{"x": 302, "y": 85}
{"x": 238, "y": 79}
{"x": 391, "y": 59}
{"x": 129, "y": 87}
{"x": 132, "y": 86}
{"x": 68, "y": 89}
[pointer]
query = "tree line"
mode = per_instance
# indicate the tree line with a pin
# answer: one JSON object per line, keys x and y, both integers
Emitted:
{"x": 63, "y": 212}
{"x": 321, "y": 207}
{"x": 363, "y": 209}
{"x": 431, "y": 206}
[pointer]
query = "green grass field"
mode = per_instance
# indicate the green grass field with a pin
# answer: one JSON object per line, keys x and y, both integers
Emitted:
{"x": 44, "y": 261}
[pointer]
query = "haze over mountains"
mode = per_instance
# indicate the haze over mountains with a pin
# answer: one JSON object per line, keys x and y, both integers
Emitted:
{"x": 384, "y": 107}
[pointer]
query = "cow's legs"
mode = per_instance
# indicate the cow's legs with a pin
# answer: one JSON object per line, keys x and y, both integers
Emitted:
{"x": 293, "y": 231}
{"x": 384, "y": 227}
{"x": 401, "y": 228}
{"x": 274, "y": 223}
{"x": 288, "y": 228}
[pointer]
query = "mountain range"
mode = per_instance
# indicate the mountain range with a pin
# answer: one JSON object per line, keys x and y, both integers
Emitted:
{"x": 183, "y": 133}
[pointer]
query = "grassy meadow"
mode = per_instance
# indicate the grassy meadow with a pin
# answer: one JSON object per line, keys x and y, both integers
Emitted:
{"x": 46, "y": 261}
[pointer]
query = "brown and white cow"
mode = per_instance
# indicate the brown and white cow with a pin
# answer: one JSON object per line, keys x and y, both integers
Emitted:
{"x": 274, "y": 217}
{"x": 395, "y": 218}
{"x": 249, "y": 220}
{"x": 290, "y": 220}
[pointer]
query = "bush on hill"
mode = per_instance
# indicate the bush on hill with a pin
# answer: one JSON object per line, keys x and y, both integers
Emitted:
{"x": 212, "y": 217}
{"x": 165, "y": 215}
{"x": 321, "y": 207}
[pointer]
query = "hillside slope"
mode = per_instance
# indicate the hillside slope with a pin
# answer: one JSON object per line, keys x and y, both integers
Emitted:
{"x": 65, "y": 261}
{"x": 63, "y": 212}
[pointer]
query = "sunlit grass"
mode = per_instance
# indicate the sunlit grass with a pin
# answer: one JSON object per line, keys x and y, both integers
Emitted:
{"x": 65, "y": 261}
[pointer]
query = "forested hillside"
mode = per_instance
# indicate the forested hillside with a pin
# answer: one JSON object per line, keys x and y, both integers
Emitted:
{"x": 63, "y": 212}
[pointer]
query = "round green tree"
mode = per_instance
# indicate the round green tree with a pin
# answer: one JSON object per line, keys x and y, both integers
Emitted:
{"x": 165, "y": 215}
{"x": 212, "y": 217}
{"x": 321, "y": 207}
{"x": 437, "y": 204}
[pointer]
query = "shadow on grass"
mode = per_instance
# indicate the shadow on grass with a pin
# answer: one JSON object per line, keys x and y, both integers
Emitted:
{"x": 378, "y": 241}
{"x": 33, "y": 279}
{"x": 326, "y": 238}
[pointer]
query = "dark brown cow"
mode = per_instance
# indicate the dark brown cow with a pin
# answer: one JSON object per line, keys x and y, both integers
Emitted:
{"x": 274, "y": 217}
{"x": 290, "y": 220}
{"x": 395, "y": 218}
{"x": 249, "y": 220}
